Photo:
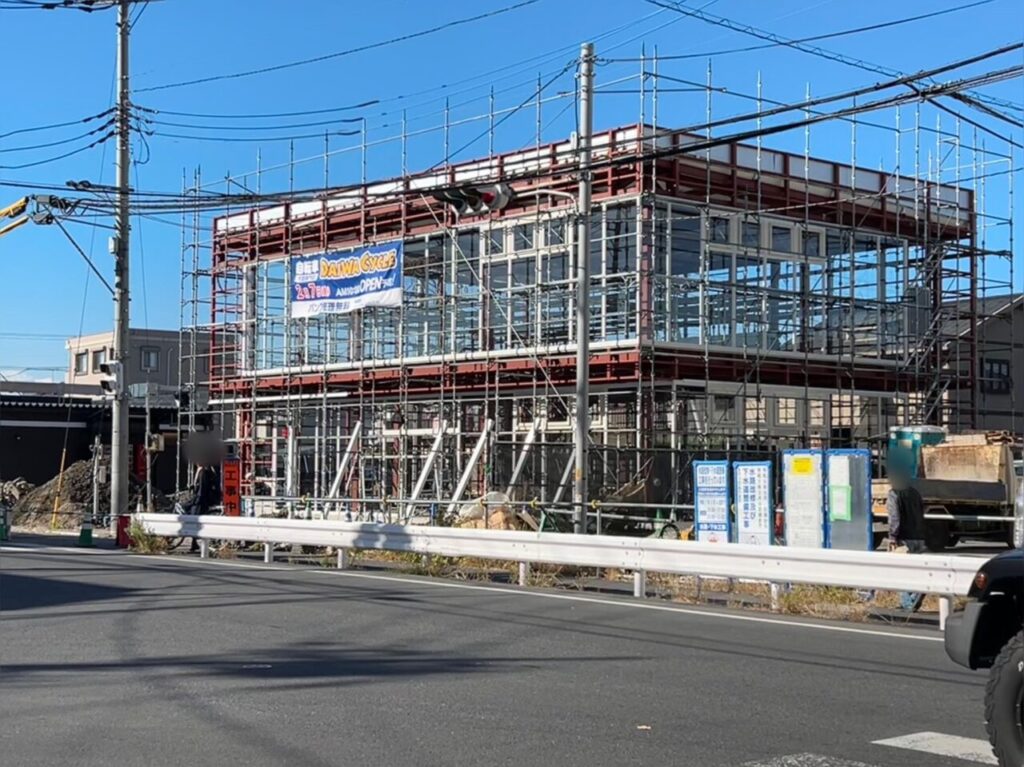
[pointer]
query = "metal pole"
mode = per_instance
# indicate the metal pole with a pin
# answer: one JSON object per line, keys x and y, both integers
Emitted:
{"x": 149, "y": 458}
{"x": 96, "y": 448}
{"x": 582, "y": 437}
{"x": 119, "y": 428}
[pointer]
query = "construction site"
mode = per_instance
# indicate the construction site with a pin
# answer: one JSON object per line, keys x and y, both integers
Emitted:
{"x": 743, "y": 299}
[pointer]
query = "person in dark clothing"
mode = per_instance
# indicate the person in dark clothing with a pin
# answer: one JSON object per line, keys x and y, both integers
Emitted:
{"x": 906, "y": 526}
{"x": 205, "y": 494}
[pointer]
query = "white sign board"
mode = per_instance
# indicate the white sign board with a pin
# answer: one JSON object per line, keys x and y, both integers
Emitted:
{"x": 803, "y": 494}
{"x": 753, "y": 493}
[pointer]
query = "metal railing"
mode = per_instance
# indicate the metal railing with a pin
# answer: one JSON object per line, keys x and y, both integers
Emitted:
{"x": 944, "y": 576}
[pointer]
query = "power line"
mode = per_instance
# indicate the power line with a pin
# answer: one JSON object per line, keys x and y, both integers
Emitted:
{"x": 51, "y": 126}
{"x": 813, "y": 38}
{"x": 520, "y": 65}
{"x": 339, "y": 54}
{"x": 632, "y": 158}
{"x": 49, "y": 144}
{"x": 761, "y": 34}
{"x": 72, "y": 153}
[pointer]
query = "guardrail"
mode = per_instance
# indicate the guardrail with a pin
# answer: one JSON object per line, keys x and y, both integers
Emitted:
{"x": 944, "y": 576}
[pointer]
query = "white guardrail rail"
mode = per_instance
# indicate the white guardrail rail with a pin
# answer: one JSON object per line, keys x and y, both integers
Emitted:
{"x": 942, "y": 575}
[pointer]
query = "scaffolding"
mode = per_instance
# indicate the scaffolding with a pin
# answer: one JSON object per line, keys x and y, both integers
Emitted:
{"x": 744, "y": 299}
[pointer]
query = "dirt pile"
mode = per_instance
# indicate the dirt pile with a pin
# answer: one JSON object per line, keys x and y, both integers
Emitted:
{"x": 36, "y": 507}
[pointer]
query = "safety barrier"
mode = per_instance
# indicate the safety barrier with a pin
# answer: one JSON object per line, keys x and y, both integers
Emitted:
{"x": 942, "y": 575}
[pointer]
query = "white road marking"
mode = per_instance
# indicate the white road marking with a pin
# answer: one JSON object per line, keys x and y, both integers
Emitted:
{"x": 805, "y": 760}
{"x": 969, "y": 749}
{"x": 512, "y": 591}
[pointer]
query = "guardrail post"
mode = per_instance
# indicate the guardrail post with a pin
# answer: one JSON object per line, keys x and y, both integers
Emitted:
{"x": 342, "y": 559}
{"x": 640, "y": 583}
{"x": 204, "y": 548}
{"x": 776, "y": 591}
{"x": 524, "y": 573}
{"x": 945, "y": 608}
{"x": 268, "y": 553}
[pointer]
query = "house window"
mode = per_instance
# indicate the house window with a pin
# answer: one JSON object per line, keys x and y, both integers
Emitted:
{"x": 150, "y": 358}
{"x": 816, "y": 413}
{"x": 81, "y": 363}
{"x": 99, "y": 356}
{"x": 787, "y": 411}
{"x": 995, "y": 376}
{"x": 755, "y": 411}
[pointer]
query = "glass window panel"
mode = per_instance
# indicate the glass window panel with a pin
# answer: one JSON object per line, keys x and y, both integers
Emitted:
{"x": 812, "y": 244}
{"x": 524, "y": 236}
{"x": 685, "y": 254}
{"x": 719, "y": 267}
{"x": 556, "y": 232}
{"x": 469, "y": 245}
{"x": 556, "y": 267}
{"x": 523, "y": 272}
{"x": 787, "y": 411}
{"x": 836, "y": 242}
{"x": 719, "y": 229}
{"x": 751, "y": 236}
{"x": 620, "y": 256}
{"x": 496, "y": 241}
{"x": 782, "y": 239}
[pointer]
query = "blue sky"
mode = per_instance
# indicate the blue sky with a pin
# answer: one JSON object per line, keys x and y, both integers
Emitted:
{"x": 59, "y": 67}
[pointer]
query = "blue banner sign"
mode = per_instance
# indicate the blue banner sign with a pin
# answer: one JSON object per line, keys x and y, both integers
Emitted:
{"x": 711, "y": 501}
{"x": 338, "y": 282}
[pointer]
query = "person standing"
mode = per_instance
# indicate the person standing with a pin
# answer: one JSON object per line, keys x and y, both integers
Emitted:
{"x": 205, "y": 493}
{"x": 906, "y": 526}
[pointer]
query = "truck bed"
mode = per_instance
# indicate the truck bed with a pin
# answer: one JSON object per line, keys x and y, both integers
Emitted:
{"x": 962, "y": 491}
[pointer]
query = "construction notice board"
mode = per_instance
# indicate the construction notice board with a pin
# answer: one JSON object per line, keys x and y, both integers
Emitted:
{"x": 752, "y": 486}
{"x": 803, "y": 498}
{"x": 231, "y": 487}
{"x": 848, "y": 499}
{"x": 711, "y": 501}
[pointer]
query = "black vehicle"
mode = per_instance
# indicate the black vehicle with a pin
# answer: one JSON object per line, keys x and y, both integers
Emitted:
{"x": 989, "y": 633}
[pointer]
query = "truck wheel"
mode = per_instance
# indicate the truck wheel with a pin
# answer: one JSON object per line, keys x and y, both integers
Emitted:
{"x": 1004, "y": 695}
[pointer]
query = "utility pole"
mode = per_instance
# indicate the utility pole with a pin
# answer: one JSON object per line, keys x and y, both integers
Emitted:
{"x": 149, "y": 458}
{"x": 582, "y": 438}
{"x": 119, "y": 459}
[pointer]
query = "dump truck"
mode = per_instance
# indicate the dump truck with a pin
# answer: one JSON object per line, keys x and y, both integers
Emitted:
{"x": 968, "y": 483}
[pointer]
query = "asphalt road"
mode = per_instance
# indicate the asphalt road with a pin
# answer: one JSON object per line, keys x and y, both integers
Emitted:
{"x": 113, "y": 659}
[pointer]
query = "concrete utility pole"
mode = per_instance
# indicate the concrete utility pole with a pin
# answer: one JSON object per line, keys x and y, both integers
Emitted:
{"x": 119, "y": 459}
{"x": 582, "y": 437}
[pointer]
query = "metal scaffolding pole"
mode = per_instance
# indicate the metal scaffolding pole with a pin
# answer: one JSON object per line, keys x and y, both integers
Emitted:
{"x": 582, "y": 437}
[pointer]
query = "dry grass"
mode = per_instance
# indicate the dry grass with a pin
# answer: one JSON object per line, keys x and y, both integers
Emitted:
{"x": 811, "y": 601}
{"x": 226, "y": 551}
{"x": 144, "y": 542}
{"x": 825, "y": 602}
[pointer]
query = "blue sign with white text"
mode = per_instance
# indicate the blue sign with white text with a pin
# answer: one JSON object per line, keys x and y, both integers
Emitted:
{"x": 338, "y": 282}
{"x": 711, "y": 501}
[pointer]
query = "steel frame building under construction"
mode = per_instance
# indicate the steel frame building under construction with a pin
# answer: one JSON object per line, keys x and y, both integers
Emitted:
{"x": 742, "y": 300}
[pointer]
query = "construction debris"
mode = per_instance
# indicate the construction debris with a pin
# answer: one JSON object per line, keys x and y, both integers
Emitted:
{"x": 36, "y": 507}
{"x": 492, "y": 511}
{"x": 12, "y": 490}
